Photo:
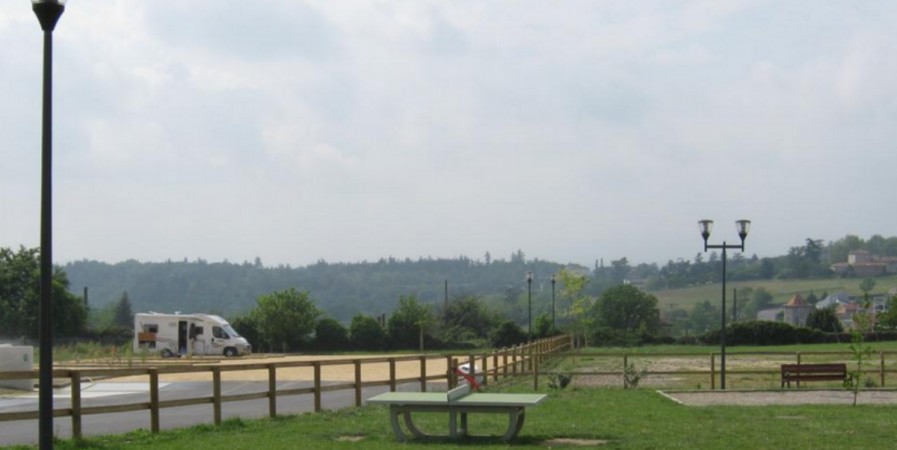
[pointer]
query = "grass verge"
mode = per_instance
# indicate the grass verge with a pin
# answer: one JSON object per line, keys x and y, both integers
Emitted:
{"x": 633, "y": 419}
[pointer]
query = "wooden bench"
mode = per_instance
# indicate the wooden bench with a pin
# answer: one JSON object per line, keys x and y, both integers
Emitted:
{"x": 813, "y": 372}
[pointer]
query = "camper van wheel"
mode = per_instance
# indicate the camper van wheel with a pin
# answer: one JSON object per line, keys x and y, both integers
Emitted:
{"x": 167, "y": 353}
{"x": 230, "y": 351}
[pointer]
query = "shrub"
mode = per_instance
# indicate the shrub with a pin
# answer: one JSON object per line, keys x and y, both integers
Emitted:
{"x": 559, "y": 381}
{"x": 366, "y": 334}
{"x": 248, "y": 328}
{"x": 507, "y": 334}
{"x": 331, "y": 335}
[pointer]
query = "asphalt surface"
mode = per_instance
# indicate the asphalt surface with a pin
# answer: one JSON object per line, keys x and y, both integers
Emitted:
{"x": 25, "y": 432}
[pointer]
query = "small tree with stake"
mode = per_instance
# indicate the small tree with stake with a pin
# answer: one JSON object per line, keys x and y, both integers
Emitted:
{"x": 860, "y": 352}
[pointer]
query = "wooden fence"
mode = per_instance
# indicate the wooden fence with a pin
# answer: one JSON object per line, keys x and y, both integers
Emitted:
{"x": 519, "y": 360}
{"x": 878, "y": 361}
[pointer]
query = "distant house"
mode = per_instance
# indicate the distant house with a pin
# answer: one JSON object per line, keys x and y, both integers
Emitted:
{"x": 770, "y": 315}
{"x": 638, "y": 284}
{"x": 863, "y": 264}
{"x": 833, "y": 300}
{"x": 796, "y": 311}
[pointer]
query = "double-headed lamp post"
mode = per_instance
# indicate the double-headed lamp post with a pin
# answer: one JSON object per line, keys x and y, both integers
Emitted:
{"x": 48, "y": 13}
{"x": 742, "y": 226}
{"x": 529, "y": 296}
{"x": 553, "y": 281}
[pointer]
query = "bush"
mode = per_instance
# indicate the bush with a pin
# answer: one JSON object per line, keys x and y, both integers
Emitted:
{"x": 247, "y": 328}
{"x": 507, "y": 334}
{"x": 366, "y": 334}
{"x": 331, "y": 335}
{"x": 778, "y": 333}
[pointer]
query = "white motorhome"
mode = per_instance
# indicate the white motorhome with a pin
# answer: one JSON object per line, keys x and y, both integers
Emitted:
{"x": 184, "y": 334}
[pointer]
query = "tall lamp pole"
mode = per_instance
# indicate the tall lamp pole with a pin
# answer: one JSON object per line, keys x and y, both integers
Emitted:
{"x": 553, "y": 281}
{"x": 48, "y": 13}
{"x": 529, "y": 285}
{"x": 742, "y": 226}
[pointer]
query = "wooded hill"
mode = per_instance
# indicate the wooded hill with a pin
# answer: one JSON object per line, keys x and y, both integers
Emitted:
{"x": 346, "y": 289}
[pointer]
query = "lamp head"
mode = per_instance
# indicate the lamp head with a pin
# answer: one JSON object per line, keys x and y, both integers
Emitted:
{"x": 48, "y": 12}
{"x": 529, "y": 276}
{"x": 743, "y": 227}
{"x": 706, "y": 226}
{"x": 553, "y": 279}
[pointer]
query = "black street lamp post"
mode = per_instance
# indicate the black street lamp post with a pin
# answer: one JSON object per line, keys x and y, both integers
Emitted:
{"x": 553, "y": 281}
{"x": 529, "y": 284}
{"x": 743, "y": 226}
{"x": 48, "y": 13}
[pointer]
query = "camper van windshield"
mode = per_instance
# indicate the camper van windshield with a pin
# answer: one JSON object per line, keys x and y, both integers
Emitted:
{"x": 231, "y": 331}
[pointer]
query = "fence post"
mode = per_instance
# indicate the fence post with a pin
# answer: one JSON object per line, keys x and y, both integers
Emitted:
{"x": 448, "y": 371}
{"x": 514, "y": 360}
{"x": 471, "y": 362}
{"x": 504, "y": 362}
{"x": 531, "y": 353}
{"x": 625, "y": 364}
{"x": 76, "y": 404}
{"x": 423, "y": 373}
{"x": 798, "y": 369}
{"x": 495, "y": 366}
{"x": 536, "y": 376}
{"x": 216, "y": 393}
{"x": 485, "y": 370}
{"x": 317, "y": 367}
{"x": 272, "y": 390}
{"x": 154, "y": 400}
{"x": 357, "y": 382}
{"x": 881, "y": 353}
{"x": 454, "y": 372}
{"x": 712, "y": 371}
{"x": 392, "y": 374}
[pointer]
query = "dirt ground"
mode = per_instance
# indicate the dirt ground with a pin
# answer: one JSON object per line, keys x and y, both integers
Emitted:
{"x": 338, "y": 373}
{"x": 765, "y": 398}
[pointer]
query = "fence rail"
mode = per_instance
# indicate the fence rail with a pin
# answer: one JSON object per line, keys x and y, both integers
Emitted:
{"x": 880, "y": 360}
{"x": 522, "y": 359}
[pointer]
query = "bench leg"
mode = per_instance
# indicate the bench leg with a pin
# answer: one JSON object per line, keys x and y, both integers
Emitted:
{"x": 463, "y": 431}
{"x": 515, "y": 423}
{"x": 394, "y": 420}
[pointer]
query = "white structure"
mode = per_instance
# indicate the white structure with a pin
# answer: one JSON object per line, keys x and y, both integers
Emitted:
{"x": 185, "y": 334}
{"x": 833, "y": 300}
{"x": 17, "y": 359}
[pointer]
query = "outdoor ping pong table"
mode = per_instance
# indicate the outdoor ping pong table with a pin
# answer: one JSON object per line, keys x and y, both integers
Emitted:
{"x": 458, "y": 401}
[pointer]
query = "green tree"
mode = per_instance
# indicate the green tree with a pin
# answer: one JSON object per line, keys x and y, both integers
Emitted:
{"x": 507, "y": 334}
{"x": 409, "y": 323}
{"x": 888, "y": 319}
{"x": 331, "y": 335}
{"x": 465, "y": 318}
{"x": 20, "y": 297}
{"x": 626, "y": 309}
{"x": 123, "y": 316}
{"x": 760, "y": 299}
{"x": 366, "y": 334}
{"x": 824, "y": 320}
{"x": 577, "y": 305}
{"x": 812, "y": 299}
{"x": 705, "y": 317}
{"x": 867, "y": 285}
{"x": 285, "y": 318}
{"x": 543, "y": 327}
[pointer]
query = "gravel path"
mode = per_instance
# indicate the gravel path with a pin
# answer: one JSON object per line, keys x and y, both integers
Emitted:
{"x": 764, "y": 398}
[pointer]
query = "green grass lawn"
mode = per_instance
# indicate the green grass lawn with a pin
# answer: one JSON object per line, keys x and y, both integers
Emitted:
{"x": 781, "y": 290}
{"x": 635, "y": 419}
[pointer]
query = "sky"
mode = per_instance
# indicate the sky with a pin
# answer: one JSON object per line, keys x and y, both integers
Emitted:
{"x": 354, "y": 130}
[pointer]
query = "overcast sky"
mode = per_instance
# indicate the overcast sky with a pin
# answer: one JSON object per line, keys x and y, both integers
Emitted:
{"x": 353, "y": 130}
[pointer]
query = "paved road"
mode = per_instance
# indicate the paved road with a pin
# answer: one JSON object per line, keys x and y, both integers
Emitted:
{"x": 110, "y": 393}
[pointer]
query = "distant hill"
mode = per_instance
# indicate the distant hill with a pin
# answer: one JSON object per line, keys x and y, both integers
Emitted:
{"x": 781, "y": 290}
{"x": 342, "y": 290}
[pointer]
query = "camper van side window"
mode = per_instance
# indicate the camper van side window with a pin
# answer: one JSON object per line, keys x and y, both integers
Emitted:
{"x": 151, "y": 328}
{"x": 219, "y": 333}
{"x": 198, "y": 331}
